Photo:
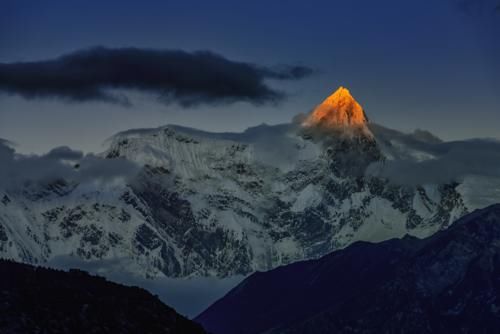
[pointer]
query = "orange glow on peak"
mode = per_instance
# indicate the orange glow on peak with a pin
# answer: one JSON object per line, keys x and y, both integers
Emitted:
{"x": 339, "y": 109}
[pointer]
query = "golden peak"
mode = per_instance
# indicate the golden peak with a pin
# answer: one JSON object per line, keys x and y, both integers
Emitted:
{"x": 339, "y": 109}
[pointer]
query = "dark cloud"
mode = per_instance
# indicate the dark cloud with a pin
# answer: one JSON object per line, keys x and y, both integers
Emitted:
{"x": 59, "y": 163}
{"x": 175, "y": 76}
{"x": 5, "y": 142}
{"x": 453, "y": 162}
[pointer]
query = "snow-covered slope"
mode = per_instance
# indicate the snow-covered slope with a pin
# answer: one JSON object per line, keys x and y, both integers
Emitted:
{"x": 218, "y": 204}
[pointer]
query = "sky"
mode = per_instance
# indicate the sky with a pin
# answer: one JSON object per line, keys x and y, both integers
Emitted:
{"x": 411, "y": 64}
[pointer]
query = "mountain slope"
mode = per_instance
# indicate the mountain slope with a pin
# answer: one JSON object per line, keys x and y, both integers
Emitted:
{"x": 39, "y": 300}
{"x": 220, "y": 204}
{"x": 445, "y": 283}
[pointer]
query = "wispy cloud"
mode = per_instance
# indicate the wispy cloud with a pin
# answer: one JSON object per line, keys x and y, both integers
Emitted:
{"x": 60, "y": 163}
{"x": 453, "y": 161}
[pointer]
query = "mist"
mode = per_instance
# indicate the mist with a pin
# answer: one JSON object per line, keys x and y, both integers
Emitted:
{"x": 188, "y": 296}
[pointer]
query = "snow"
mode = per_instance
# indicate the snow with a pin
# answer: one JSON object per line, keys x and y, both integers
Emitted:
{"x": 232, "y": 182}
{"x": 480, "y": 191}
{"x": 310, "y": 196}
{"x": 383, "y": 223}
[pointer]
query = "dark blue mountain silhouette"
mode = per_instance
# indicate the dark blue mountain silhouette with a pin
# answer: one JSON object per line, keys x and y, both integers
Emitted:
{"x": 447, "y": 283}
{"x": 40, "y": 300}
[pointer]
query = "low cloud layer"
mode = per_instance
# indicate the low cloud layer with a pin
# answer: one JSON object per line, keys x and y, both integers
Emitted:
{"x": 173, "y": 75}
{"x": 188, "y": 296}
{"x": 60, "y": 163}
{"x": 453, "y": 162}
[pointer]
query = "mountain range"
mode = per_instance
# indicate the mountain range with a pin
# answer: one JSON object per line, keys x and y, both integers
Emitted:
{"x": 223, "y": 204}
{"x": 446, "y": 283}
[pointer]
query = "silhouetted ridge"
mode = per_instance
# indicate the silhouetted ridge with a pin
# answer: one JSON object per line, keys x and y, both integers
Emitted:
{"x": 447, "y": 283}
{"x": 40, "y": 300}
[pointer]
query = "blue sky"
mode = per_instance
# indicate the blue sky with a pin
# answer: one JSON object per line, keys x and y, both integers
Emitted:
{"x": 411, "y": 64}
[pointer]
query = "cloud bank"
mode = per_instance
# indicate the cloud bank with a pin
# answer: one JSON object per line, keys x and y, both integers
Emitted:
{"x": 452, "y": 162}
{"x": 173, "y": 75}
{"x": 61, "y": 163}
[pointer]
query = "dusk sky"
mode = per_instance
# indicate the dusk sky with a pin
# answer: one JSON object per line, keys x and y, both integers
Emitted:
{"x": 412, "y": 64}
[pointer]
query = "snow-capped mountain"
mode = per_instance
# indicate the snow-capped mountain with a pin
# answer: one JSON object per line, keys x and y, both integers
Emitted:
{"x": 219, "y": 204}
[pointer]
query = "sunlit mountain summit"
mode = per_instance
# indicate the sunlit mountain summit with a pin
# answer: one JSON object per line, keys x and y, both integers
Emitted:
{"x": 337, "y": 110}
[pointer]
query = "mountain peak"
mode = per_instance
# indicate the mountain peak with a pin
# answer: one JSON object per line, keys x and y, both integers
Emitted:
{"x": 340, "y": 109}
